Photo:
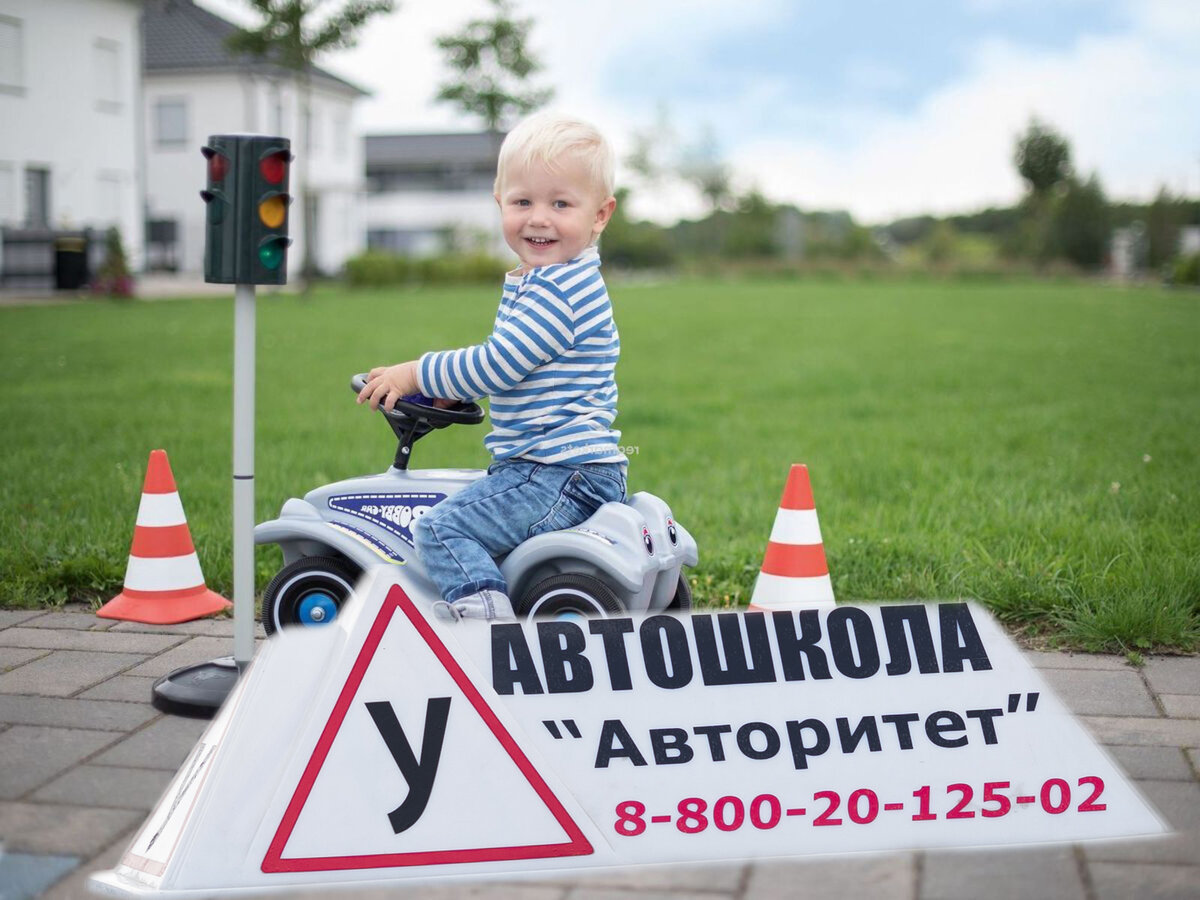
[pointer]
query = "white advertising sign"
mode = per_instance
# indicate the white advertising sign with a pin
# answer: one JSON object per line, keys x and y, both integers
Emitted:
{"x": 391, "y": 746}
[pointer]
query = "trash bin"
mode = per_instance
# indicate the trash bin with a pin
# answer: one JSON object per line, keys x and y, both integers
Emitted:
{"x": 70, "y": 263}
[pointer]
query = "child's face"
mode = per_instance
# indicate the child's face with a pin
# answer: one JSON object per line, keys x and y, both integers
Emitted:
{"x": 550, "y": 216}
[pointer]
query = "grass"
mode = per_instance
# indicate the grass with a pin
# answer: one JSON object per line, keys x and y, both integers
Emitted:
{"x": 1032, "y": 445}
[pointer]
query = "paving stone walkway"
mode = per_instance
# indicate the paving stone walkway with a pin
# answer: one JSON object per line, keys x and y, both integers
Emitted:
{"x": 84, "y": 757}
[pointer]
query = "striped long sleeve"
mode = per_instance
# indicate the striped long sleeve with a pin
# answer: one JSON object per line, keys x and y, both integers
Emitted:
{"x": 548, "y": 367}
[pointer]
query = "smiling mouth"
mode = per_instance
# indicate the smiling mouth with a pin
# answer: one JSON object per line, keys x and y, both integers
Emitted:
{"x": 540, "y": 242}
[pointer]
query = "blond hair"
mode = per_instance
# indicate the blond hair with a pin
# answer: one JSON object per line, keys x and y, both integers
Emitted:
{"x": 546, "y": 138}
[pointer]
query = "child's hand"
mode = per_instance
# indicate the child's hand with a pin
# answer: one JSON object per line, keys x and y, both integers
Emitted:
{"x": 387, "y": 384}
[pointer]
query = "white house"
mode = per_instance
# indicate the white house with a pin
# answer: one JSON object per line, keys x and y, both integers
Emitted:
{"x": 194, "y": 87}
{"x": 1189, "y": 240}
{"x": 428, "y": 192}
{"x": 70, "y": 104}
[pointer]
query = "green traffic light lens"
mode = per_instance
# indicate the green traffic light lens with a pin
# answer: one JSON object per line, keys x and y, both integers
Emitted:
{"x": 271, "y": 254}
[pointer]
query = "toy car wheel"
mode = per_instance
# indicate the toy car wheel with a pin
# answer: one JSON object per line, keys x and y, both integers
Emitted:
{"x": 307, "y": 592}
{"x": 568, "y": 596}
{"x": 682, "y": 601}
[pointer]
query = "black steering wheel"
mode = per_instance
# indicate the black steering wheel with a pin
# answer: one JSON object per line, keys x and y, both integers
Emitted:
{"x": 420, "y": 408}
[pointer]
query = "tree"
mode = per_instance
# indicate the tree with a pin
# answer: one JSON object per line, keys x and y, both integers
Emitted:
{"x": 289, "y": 37}
{"x": 941, "y": 244}
{"x": 701, "y": 164}
{"x": 753, "y": 228}
{"x": 1164, "y": 219}
{"x": 635, "y": 245}
{"x": 491, "y": 65}
{"x": 1042, "y": 158}
{"x": 1082, "y": 223}
{"x": 650, "y": 158}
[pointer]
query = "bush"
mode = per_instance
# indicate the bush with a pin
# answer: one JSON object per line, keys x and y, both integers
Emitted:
{"x": 1186, "y": 269}
{"x": 113, "y": 276}
{"x": 634, "y": 245}
{"x": 374, "y": 269}
{"x": 377, "y": 269}
{"x": 637, "y": 245}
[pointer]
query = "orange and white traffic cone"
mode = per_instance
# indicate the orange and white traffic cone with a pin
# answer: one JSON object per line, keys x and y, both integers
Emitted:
{"x": 794, "y": 572}
{"x": 163, "y": 581}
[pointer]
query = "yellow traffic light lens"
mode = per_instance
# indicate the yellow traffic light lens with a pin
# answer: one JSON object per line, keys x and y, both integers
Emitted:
{"x": 273, "y": 211}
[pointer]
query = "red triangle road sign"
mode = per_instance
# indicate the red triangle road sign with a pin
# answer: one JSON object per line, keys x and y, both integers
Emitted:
{"x": 576, "y": 844}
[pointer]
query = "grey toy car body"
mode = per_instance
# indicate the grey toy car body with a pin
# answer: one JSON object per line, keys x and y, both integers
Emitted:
{"x": 626, "y": 557}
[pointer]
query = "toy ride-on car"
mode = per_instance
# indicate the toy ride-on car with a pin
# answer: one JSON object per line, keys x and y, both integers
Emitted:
{"x": 627, "y": 557}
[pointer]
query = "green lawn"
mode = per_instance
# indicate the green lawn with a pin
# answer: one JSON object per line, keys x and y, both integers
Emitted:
{"x": 1036, "y": 446}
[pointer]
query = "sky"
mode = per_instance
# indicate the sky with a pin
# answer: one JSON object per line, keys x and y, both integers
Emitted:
{"x": 884, "y": 109}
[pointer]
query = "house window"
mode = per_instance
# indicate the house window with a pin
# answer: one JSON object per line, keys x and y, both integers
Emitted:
{"x": 8, "y": 193}
{"x": 162, "y": 245}
{"x": 37, "y": 197}
{"x": 11, "y": 57}
{"x": 106, "y": 68}
{"x": 170, "y": 122}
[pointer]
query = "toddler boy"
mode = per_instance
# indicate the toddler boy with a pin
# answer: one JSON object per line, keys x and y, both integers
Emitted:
{"x": 547, "y": 369}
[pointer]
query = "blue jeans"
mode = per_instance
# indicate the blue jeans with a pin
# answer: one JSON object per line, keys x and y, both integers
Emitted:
{"x": 459, "y": 538}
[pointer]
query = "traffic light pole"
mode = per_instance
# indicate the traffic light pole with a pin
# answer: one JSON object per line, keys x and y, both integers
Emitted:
{"x": 243, "y": 474}
{"x": 246, "y": 226}
{"x": 200, "y": 689}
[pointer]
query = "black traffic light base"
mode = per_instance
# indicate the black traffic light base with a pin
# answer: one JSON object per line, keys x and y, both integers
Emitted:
{"x": 196, "y": 691}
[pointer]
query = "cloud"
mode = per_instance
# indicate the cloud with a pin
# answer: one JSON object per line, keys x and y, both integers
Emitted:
{"x": 1122, "y": 101}
{"x": 576, "y": 43}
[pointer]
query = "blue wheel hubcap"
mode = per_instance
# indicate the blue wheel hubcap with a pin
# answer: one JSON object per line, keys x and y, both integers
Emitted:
{"x": 317, "y": 608}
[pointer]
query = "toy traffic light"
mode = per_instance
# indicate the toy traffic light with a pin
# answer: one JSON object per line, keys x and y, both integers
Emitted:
{"x": 246, "y": 225}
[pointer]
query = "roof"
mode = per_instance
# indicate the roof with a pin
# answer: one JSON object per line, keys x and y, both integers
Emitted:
{"x": 470, "y": 148}
{"x": 178, "y": 35}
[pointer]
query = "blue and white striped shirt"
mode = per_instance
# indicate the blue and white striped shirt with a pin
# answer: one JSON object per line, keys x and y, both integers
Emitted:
{"x": 547, "y": 367}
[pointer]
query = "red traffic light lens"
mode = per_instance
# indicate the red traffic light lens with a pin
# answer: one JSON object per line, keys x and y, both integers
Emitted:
{"x": 218, "y": 167}
{"x": 273, "y": 167}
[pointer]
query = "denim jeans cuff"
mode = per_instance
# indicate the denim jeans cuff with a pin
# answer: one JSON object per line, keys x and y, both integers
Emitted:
{"x": 474, "y": 587}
